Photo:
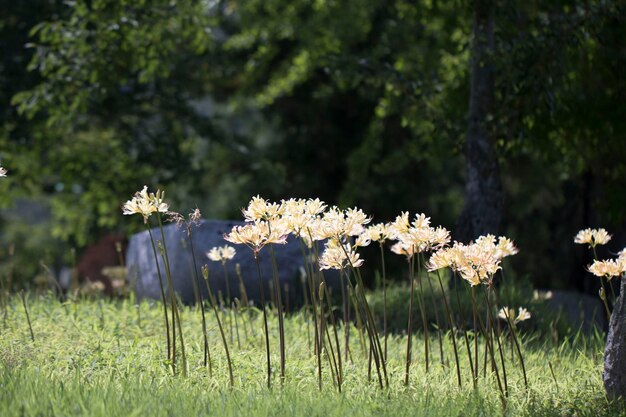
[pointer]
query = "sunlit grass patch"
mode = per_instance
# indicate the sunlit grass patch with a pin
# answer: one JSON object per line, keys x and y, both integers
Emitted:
{"x": 103, "y": 359}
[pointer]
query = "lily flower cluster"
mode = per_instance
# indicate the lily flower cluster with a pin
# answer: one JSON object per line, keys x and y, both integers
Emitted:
{"x": 3, "y": 172}
{"x": 346, "y": 230}
{"x": 339, "y": 255}
{"x": 309, "y": 220}
{"x": 611, "y": 267}
{"x": 477, "y": 262}
{"x": 592, "y": 237}
{"x": 299, "y": 216}
{"x": 378, "y": 232}
{"x": 258, "y": 234}
{"x": 145, "y": 203}
{"x": 507, "y": 314}
{"x": 417, "y": 236}
{"x": 221, "y": 253}
{"x": 340, "y": 227}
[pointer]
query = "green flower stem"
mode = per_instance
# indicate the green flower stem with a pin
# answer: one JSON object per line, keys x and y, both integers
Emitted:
{"x": 489, "y": 348}
{"x": 357, "y": 315}
{"x": 409, "y": 328}
{"x": 556, "y": 382}
{"x": 163, "y": 300}
{"x": 330, "y": 353}
{"x": 382, "y": 259}
{"x": 175, "y": 310}
{"x": 228, "y": 303}
{"x": 305, "y": 287}
{"x": 467, "y": 343}
{"x": 435, "y": 309}
{"x": 306, "y": 311}
{"x": 373, "y": 332}
{"x": 490, "y": 309}
{"x": 207, "y": 350}
{"x": 333, "y": 322}
{"x": 606, "y": 305}
{"x": 322, "y": 344}
{"x": 236, "y": 314}
{"x": 422, "y": 307}
{"x": 219, "y": 325}
{"x": 371, "y": 323}
{"x": 476, "y": 318}
{"x": 30, "y": 326}
{"x": 244, "y": 299}
{"x": 375, "y": 351}
{"x": 281, "y": 324}
{"x": 608, "y": 282}
{"x": 452, "y": 334}
{"x": 267, "y": 340}
{"x": 194, "y": 285}
{"x": 346, "y": 314}
{"x": 317, "y": 346}
{"x": 518, "y": 347}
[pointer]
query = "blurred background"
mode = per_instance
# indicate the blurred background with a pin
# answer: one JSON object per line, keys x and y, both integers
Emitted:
{"x": 489, "y": 116}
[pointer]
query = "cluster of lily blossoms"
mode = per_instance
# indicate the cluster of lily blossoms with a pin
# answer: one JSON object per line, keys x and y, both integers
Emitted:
{"x": 346, "y": 230}
{"x": 508, "y": 314}
{"x": 307, "y": 219}
{"x": 221, "y": 253}
{"x": 145, "y": 203}
{"x": 3, "y": 172}
{"x": 417, "y": 236}
{"x": 476, "y": 262}
{"x": 611, "y": 267}
{"x": 608, "y": 268}
{"x": 592, "y": 237}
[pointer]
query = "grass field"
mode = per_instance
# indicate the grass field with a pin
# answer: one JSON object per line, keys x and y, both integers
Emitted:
{"x": 108, "y": 358}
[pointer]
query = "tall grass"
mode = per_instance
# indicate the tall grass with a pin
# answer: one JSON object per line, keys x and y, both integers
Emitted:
{"x": 81, "y": 365}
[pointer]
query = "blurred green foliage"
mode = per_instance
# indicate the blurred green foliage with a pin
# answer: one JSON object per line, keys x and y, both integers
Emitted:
{"x": 355, "y": 102}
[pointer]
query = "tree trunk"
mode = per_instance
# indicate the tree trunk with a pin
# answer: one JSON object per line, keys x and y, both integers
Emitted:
{"x": 483, "y": 191}
{"x": 614, "y": 375}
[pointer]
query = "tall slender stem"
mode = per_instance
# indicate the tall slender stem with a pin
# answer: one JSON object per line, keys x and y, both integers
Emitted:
{"x": 318, "y": 344}
{"x": 467, "y": 343}
{"x": 476, "y": 318}
{"x": 207, "y": 350}
{"x": 346, "y": 312}
{"x": 382, "y": 258}
{"x": 163, "y": 300}
{"x": 489, "y": 348}
{"x": 422, "y": 306}
{"x": 371, "y": 325}
{"x": 497, "y": 334}
{"x": 175, "y": 311}
{"x": 604, "y": 294}
{"x": 267, "y": 340}
{"x": 432, "y": 299}
{"x": 409, "y": 328}
{"x": 372, "y": 330}
{"x": 517, "y": 345}
{"x": 451, "y": 323}
{"x": 279, "y": 307}
{"x": 30, "y": 326}
{"x": 228, "y": 301}
{"x": 219, "y": 324}
{"x": 307, "y": 270}
{"x": 326, "y": 292}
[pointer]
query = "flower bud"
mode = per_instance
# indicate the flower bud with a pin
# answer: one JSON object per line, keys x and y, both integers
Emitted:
{"x": 321, "y": 291}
